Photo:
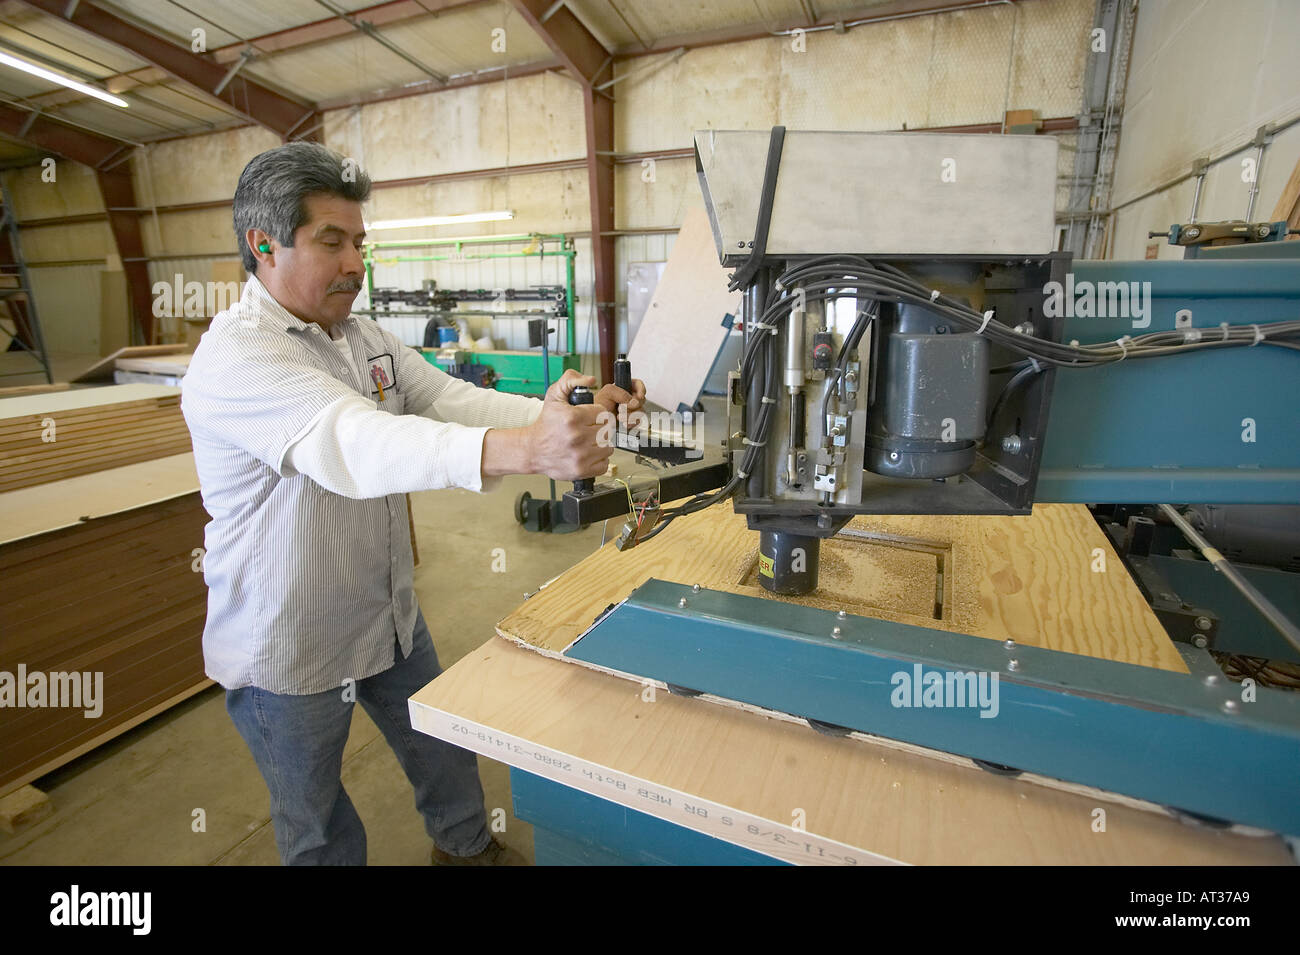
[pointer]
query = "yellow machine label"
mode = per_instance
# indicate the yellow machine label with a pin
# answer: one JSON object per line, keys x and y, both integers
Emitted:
{"x": 765, "y": 566}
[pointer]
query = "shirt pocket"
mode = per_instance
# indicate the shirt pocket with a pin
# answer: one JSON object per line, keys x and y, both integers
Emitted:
{"x": 394, "y": 401}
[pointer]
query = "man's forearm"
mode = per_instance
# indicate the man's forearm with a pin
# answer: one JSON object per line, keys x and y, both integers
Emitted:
{"x": 507, "y": 451}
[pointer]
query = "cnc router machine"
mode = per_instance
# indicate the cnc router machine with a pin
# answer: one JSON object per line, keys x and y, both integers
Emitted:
{"x": 913, "y": 345}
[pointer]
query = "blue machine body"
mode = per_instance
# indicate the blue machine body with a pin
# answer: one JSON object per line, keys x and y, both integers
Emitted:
{"x": 1171, "y": 429}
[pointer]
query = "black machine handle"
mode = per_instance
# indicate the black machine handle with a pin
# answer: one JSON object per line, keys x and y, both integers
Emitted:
{"x": 581, "y": 395}
{"x": 623, "y": 374}
{"x": 622, "y": 379}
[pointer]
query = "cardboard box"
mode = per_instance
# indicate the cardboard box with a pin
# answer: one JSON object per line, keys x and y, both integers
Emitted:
{"x": 194, "y": 329}
{"x": 1021, "y": 117}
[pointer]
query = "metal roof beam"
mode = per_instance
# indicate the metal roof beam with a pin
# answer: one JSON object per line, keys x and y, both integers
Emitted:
{"x": 838, "y": 20}
{"x": 247, "y": 97}
{"x": 43, "y": 132}
{"x": 567, "y": 36}
{"x": 281, "y": 41}
{"x": 369, "y": 29}
{"x": 321, "y": 31}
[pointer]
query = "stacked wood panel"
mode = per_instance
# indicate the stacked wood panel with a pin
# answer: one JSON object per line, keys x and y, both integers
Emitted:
{"x": 60, "y": 435}
{"x": 100, "y": 568}
{"x": 115, "y": 595}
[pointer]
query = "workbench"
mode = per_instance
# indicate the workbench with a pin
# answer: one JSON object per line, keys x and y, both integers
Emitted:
{"x": 611, "y": 770}
{"x": 606, "y": 776}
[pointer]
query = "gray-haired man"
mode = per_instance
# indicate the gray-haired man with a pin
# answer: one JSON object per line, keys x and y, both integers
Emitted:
{"x": 309, "y": 426}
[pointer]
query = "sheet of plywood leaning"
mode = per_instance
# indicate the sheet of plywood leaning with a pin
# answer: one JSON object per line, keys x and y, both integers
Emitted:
{"x": 688, "y": 319}
{"x": 1034, "y": 579}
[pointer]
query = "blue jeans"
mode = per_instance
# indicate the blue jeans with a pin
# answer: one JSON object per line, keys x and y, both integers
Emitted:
{"x": 297, "y": 742}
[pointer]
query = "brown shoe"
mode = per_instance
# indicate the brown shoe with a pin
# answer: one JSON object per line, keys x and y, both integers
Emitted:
{"x": 494, "y": 854}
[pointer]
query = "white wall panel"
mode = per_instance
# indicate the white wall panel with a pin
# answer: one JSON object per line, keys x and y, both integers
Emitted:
{"x": 1174, "y": 115}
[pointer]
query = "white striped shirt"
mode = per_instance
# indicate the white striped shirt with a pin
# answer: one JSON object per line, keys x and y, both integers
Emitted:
{"x": 303, "y": 470}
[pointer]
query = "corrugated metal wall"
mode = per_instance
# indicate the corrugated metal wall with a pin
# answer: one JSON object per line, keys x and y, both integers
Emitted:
{"x": 943, "y": 70}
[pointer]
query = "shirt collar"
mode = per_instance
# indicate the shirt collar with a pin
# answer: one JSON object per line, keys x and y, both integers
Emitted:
{"x": 266, "y": 308}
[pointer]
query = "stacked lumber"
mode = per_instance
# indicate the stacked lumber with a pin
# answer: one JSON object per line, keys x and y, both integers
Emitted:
{"x": 101, "y": 579}
{"x": 50, "y": 437}
{"x": 14, "y": 390}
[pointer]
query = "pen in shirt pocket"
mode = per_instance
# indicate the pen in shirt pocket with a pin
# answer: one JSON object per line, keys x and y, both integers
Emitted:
{"x": 377, "y": 376}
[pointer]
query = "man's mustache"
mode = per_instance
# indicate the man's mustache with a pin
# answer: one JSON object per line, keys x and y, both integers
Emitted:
{"x": 352, "y": 285}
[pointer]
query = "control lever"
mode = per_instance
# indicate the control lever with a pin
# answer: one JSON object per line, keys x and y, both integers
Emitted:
{"x": 581, "y": 395}
{"x": 622, "y": 379}
{"x": 623, "y": 374}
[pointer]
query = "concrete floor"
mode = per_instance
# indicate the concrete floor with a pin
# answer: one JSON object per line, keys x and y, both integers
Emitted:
{"x": 131, "y": 801}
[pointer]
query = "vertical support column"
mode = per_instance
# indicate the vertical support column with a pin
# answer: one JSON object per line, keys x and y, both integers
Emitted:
{"x": 588, "y": 62}
{"x": 599, "y": 109}
{"x": 1088, "y": 160}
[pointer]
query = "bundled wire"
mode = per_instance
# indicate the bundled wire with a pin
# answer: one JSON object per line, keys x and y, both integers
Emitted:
{"x": 889, "y": 284}
{"x": 835, "y": 379}
{"x": 1271, "y": 673}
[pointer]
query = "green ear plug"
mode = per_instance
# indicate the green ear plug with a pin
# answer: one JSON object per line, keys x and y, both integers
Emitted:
{"x": 263, "y": 247}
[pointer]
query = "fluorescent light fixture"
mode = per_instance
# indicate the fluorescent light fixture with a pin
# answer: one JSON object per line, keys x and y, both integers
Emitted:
{"x": 441, "y": 220}
{"x": 45, "y": 74}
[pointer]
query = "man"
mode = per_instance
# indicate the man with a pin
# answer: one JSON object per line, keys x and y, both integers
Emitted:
{"x": 309, "y": 426}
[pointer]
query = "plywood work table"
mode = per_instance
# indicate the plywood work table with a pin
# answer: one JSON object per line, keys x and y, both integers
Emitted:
{"x": 709, "y": 777}
{"x": 716, "y": 783}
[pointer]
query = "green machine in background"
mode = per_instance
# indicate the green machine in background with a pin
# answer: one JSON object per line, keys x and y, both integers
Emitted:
{"x": 518, "y": 372}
